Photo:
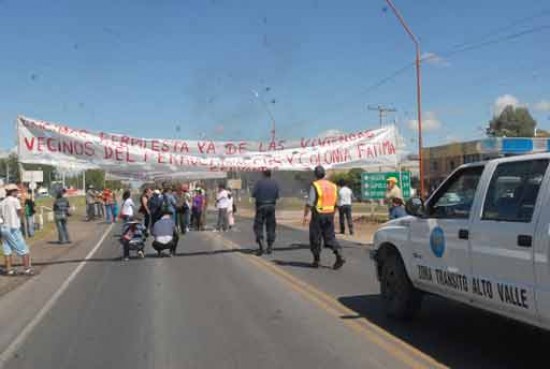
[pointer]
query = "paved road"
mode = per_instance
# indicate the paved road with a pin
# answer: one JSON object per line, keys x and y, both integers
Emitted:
{"x": 209, "y": 307}
{"x": 215, "y": 305}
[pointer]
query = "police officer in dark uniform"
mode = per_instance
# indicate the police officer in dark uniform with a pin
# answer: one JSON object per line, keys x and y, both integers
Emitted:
{"x": 321, "y": 202}
{"x": 266, "y": 193}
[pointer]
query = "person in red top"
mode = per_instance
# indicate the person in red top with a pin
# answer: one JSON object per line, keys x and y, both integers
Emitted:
{"x": 321, "y": 203}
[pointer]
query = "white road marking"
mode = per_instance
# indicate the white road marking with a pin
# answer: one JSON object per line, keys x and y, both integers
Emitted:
{"x": 10, "y": 351}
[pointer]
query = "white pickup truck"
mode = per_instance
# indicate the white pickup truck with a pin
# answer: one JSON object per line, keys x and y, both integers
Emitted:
{"x": 482, "y": 238}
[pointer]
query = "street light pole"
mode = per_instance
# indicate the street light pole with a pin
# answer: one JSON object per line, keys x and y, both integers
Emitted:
{"x": 418, "y": 91}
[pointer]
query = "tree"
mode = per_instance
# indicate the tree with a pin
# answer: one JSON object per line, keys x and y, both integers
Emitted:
{"x": 9, "y": 168}
{"x": 352, "y": 178}
{"x": 95, "y": 177}
{"x": 512, "y": 122}
{"x": 542, "y": 133}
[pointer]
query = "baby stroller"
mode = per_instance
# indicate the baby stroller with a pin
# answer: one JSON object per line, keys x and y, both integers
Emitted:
{"x": 134, "y": 236}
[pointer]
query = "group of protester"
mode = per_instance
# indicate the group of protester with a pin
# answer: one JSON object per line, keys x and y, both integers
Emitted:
{"x": 166, "y": 213}
{"x": 102, "y": 203}
{"x": 171, "y": 211}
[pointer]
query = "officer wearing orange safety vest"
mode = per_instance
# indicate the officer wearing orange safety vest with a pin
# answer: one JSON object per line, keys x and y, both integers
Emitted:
{"x": 321, "y": 202}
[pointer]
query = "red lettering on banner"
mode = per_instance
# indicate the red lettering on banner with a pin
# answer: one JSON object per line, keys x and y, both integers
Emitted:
{"x": 123, "y": 154}
{"x": 155, "y": 145}
{"x": 161, "y": 159}
{"x": 207, "y": 147}
{"x": 370, "y": 153}
{"x": 290, "y": 158}
{"x": 89, "y": 148}
{"x": 78, "y": 148}
{"x": 230, "y": 149}
{"x": 50, "y": 143}
{"x": 315, "y": 159}
{"x": 242, "y": 147}
{"x": 41, "y": 144}
{"x": 389, "y": 148}
{"x": 181, "y": 146}
{"x": 124, "y": 140}
{"x": 359, "y": 148}
{"x": 137, "y": 142}
{"x": 29, "y": 144}
{"x": 67, "y": 147}
{"x": 272, "y": 146}
{"x": 108, "y": 153}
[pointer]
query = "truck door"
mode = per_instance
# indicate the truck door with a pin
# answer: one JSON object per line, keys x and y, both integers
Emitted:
{"x": 542, "y": 257}
{"x": 502, "y": 238}
{"x": 440, "y": 238}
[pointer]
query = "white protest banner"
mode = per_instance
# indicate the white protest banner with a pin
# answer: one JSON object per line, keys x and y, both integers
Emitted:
{"x": 48, "y": 143}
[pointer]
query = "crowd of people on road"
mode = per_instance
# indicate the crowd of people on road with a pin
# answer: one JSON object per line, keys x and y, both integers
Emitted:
{"x": 167, "y": 211}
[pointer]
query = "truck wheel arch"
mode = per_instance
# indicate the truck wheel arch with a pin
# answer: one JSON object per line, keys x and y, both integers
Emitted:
{"x": 401, "y": 299}
{"x": 386, "y": 249}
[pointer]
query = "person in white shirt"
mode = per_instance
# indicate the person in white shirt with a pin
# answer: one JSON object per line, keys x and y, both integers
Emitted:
{"x": 230, "y": 215}
{"x": 345, "y": 195}
{"x": 10, "y": 227}
{"x": 222, "y": 204}
{"x": 127, "y": 211}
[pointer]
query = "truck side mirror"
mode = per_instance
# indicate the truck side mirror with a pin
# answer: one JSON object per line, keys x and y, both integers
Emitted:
{"x": 415, "y": 207}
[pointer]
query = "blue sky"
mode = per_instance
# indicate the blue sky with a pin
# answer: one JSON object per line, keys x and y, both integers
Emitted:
{"x": 147, "y": 67}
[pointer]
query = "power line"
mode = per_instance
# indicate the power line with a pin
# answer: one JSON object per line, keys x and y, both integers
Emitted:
{"x": 508, "y": 26}
{"x": 382, "y": 110}
{"x": 467, "y": 46}
{"x": 448, "y": 54}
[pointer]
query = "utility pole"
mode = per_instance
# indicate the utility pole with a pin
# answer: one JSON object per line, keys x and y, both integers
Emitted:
{"x": 416, "y": 43}
{"x": 382, "y": 110}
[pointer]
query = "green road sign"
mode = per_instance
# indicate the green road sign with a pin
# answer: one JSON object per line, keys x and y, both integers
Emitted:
{"x": 373, "y": 185}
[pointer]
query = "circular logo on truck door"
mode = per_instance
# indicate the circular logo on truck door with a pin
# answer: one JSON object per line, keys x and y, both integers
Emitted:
{"x": 437, "y": 241}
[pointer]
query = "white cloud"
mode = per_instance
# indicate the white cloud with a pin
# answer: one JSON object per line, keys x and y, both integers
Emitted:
{"x": 434, "y": 59}
{"x": 543, "y": 105}
{"x": 502, "y": 102}
{"x": 331, "y": 133}
{"x": 430, "y": 122}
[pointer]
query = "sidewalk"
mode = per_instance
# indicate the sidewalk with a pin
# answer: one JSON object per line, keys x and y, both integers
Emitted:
{"x": 45, "y": 250}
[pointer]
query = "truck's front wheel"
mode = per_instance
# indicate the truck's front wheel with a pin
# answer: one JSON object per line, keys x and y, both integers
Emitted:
{"x": 401, "y": 299}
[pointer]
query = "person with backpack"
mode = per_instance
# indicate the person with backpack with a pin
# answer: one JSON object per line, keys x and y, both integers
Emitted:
{"x": 62, "y": 210}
